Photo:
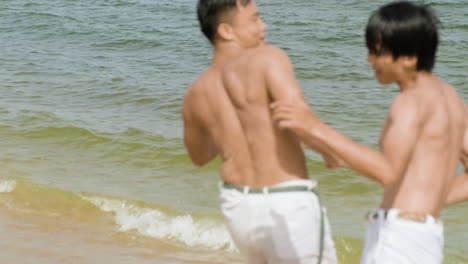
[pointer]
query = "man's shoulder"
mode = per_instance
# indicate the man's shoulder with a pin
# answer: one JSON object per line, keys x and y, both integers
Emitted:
{"x": 196, "y": 87}
{"x": 419, "y": 103}
{"x": 270, "y": 52}
{"x": 259, "y": 58}
{"x": 205, "y": 77}
{"x": 270, "y": 49}
{"x": 405, "y": 103}
{"x": 192, "y": 97}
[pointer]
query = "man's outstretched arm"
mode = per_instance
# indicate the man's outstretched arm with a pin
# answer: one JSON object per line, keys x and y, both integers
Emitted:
{"x": 198, "y": 142}
{"x": 398, "y": 140}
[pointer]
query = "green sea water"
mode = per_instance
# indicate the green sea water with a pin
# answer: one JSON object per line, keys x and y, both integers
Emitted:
{"x": 90, "y": 126}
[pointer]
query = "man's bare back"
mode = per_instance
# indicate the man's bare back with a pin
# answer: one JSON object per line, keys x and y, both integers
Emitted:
{"x": 233, "y": 104}
{"x": 437, "y": 129}
{"x": 226, "y": 112}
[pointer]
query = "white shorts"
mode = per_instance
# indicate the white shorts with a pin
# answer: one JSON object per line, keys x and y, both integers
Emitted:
{"x": 391, "y": 240}
{"x": 278, "y": 228}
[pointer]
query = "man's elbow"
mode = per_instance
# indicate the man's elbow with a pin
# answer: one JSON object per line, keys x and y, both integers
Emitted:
{"x": 388, "y": 179}
{"x": 200, "y": 155}
{"x": 199, "y": 162}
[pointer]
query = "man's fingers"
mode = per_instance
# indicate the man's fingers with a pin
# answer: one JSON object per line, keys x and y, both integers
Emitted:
{"x": 304, "y": 104}
{"x": 281, "y": 108}
{"x": 281, "y": 116}
{"x": 278, "y": 104}
{"x": 285, "y": 124}
{"x": 282, "y": 113}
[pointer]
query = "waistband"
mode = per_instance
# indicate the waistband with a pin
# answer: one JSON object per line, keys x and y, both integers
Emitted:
{"x": 288, "y": 186}
{"x": 394, "y": 213}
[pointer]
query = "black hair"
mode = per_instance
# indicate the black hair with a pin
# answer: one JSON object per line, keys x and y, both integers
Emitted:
{"x": 404, "y": 29}
{"x": 210, "y": 12}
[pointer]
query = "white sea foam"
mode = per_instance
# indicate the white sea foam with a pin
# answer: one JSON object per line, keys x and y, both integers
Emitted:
{"x": 7, "y": 186}
{"x": 154, "y": 223}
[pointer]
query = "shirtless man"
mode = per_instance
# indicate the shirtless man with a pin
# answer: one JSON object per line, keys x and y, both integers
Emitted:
{"x": 420, "y": 146}
{"x": 270, "y": 205}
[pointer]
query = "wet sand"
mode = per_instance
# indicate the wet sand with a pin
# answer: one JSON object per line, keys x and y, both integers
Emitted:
{"x": 37, "y": 239}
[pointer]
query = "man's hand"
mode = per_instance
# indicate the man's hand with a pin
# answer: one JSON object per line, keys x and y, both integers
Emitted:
{"x": 333, "y": 162}
{"x": 297, "y": 117}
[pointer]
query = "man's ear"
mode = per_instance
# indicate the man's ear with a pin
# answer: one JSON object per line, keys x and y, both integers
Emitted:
{"x": 225, "y": 31}
{"x": 410, "y": 62}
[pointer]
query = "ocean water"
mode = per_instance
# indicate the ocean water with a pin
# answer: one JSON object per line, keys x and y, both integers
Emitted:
{"x": 91, "y": 134}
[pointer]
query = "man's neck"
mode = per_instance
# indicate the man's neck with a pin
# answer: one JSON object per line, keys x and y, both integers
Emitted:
{"x": 225, "y": 52}
{"x": 410, "y": 80}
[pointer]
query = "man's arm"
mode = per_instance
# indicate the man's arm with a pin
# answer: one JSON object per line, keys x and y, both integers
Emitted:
{"x": 459, "y": 189}
{"x": 398, "y": 139}
{"x": 198, "y": 142}
{"x": 283, "y": 86}
{"x": 280, "y": 77}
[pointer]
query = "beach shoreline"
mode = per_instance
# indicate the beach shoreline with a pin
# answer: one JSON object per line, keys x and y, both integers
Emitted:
{"x": 38, "y": 239}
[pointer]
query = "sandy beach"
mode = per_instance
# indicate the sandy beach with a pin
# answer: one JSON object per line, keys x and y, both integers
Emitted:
{"x": 93, "y": 167}
{"x": 38, "y": 239}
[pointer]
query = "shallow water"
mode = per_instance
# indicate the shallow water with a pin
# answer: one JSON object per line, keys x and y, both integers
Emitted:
{"x": 90, "y": 127}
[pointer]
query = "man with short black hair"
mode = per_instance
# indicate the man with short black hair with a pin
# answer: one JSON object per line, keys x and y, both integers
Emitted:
{"x": 271, "y": 206}
{"x": 421, "y": 144}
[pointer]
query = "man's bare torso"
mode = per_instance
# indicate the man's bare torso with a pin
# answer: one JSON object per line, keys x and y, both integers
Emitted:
{"x": 433, "y": 163}
{"x": 232, "y": 102}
